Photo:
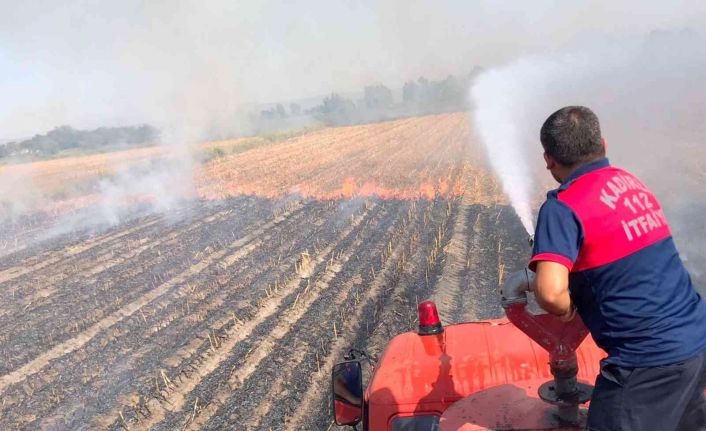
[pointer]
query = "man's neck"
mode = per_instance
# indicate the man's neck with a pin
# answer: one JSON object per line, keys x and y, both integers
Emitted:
{"x": 565, "y": 172}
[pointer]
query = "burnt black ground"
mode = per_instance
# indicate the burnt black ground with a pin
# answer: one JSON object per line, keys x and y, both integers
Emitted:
{"x": 391, "y": 252}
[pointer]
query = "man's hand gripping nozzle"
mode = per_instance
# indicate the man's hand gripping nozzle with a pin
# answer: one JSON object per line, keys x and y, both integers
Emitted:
{"x": 557, "y": 338}
{"x": 515, "y": 288}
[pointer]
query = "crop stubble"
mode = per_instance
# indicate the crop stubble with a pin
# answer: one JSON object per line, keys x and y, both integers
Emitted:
{"x": 232, "y": 318}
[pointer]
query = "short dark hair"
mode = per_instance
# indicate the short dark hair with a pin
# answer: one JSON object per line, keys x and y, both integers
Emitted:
{"x": 572, "y": 135}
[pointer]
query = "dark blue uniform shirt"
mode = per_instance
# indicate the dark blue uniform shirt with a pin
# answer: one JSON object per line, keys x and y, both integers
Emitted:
{"x": 626, "y": 277}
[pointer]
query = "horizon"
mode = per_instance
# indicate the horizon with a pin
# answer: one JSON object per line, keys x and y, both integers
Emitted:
{"x": 169, "y": 64}
{"x": 250, "y": 107}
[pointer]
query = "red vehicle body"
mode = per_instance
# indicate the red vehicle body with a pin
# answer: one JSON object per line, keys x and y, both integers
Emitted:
{"x": 529, "y": 372}
{"x": 424, "y": 375}
{"x": 526, "y": 372}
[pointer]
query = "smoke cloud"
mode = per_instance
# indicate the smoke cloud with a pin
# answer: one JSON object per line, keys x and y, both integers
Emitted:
{"x": 650, "y": 97}
{"x": 90, "y": 64}
{"x": 193, "y": 68}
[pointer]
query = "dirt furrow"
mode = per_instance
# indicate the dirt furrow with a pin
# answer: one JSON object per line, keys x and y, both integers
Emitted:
{"x": 81, "y": 305}
{"x": 278, "y": 388}
{"x": 161, "y": 327}
{"x": 266, "y": 346}
{"x": 393, "y": 311}
{"x": 219, "y": 316}
{"x": 318, "y": 382}
{"x": 514, "y": 250}
{"x": 481, "y": 299}
{"x": 397, "y": 312}
{"x": 26, "y": 267}
{"x": 70, "y": 246}
{"x": 177, "y": 396}
{"x": 84, "y": 337}
{"x": 296, "y": 334}
{"x": 25, "y": 294}
{"x": 461, "y": 306}
{"x": 452, "y": 279}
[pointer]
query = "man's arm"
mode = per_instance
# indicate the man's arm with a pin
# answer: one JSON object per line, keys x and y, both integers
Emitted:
{"x": 551, "y": 289}
{"x": 557, "y": 241}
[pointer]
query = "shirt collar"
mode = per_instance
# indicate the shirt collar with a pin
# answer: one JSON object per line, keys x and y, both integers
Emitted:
{"x": 584, "y": 169}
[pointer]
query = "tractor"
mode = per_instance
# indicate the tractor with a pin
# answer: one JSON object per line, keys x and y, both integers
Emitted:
{"x": 525, "y": 372}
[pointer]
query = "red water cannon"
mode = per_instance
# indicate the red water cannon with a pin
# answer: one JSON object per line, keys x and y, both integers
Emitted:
{"x": 560, "y": 339}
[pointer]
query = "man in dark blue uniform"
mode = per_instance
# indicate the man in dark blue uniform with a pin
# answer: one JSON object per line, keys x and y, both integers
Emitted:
{"x": 603, "y": 248}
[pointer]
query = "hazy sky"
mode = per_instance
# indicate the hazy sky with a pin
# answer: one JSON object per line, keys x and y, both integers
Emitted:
{"x": 91, "y": 63}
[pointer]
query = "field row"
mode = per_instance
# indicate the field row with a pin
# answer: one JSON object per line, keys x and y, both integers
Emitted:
{"x": 227, "y": 312}
{"x": 231, "y": 319}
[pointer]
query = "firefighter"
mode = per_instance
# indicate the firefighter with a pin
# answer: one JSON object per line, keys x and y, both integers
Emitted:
{"x": 603, "y": 248}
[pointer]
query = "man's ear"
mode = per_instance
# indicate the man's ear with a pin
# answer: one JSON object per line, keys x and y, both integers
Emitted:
{"x": 605, "y": 145}
{"x": 549, "y": 160}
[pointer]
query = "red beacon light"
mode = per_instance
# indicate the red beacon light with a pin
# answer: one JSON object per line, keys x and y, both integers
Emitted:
{"x": 429, "y": 323}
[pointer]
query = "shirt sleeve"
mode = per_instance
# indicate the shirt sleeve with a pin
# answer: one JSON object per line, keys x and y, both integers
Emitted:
{"x": 558, "y": 235}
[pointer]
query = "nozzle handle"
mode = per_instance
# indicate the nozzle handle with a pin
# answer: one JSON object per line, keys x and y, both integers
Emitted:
{"x": 560, "y": 339}
{"x": 515, "y": 288}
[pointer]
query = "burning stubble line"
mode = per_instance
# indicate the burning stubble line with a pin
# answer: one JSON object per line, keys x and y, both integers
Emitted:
{"x": 268, "y": 308}
{"x": 285, "y": 173}
{"x": 290, "y": 150}
{"x": 360, "y": 164}
{"x": 37, "y": 364}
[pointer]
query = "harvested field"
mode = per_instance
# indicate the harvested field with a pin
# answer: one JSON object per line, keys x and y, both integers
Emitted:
{"x": 231, "y": 316}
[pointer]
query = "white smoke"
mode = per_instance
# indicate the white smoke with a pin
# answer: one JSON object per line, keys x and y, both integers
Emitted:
{"x": 17, "y": 192}
{"x": 649, "y": 94}
{"x": 500, "y": 119}
{"x": 160, "y": 183}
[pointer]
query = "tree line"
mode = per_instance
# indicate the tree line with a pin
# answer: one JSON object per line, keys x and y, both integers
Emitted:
{"x": 420, "y": 96}
{"x": 66, "y": 138}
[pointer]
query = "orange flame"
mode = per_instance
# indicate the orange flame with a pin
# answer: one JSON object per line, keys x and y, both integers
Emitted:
{"x": 349, "y": 187}
{"x": 427, "y": 191}
{"x": 443, "y": 187}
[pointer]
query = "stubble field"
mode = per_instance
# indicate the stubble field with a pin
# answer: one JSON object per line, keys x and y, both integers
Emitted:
{"x": 231, "y": 315}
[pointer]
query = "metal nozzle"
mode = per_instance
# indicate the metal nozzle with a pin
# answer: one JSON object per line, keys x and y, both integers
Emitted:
{"x": 515, "y": 288}
{"x": 530, "y": 240}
